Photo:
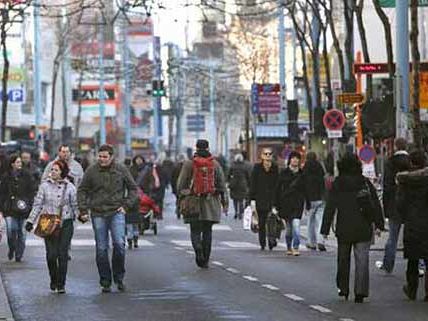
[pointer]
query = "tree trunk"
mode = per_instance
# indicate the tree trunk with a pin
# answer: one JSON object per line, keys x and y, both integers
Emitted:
{"x": 5, "y": 79}
{"x": 388, "y": 37}
{"x": 306, "y": 82}
{"x": 414, "y": 33}
{"x": 53, "y": 96}
{"x": 362, "y": 31}
{"x": 327, "y": 68}
{"x": 349, "y": 6}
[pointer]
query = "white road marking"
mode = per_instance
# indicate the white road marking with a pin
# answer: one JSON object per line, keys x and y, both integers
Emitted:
{"x": 222, "y": 228}
{"x": 182, "y": 243}
{"x": 232, "y": 270}
{"x": 190, "y": 252}
{"x": 179, "y": 248}
{"x": 320, "y": 308}
{"x": 175, "y": 228}
{"x": 250, "y": 278}
{"x": 294, "y": 297}
{"x": 240, "y": 245}
{"x": 217, "y": 263}
{"x": 270, "y": 287}
{"x": 346, "y": 319}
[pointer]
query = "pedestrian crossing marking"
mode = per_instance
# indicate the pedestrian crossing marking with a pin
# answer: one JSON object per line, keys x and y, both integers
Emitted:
{"x": 242, "y": 245}
{"x": 81, "y": 242}
{"x": 217, "y": 227}
{"x": 270, "y": 287}
{"x": 320, "y": 308}
{"x": 250, "y": 278}
{"x": 217, "y": 263}
{"x": 182, "y": 243}
{"x": 221, "y": 227}
{"x": 232, "y": 270}
{"x": 175, "y": 228}
{"x": 294, "y": 297}
{"x": 84, "y": 227}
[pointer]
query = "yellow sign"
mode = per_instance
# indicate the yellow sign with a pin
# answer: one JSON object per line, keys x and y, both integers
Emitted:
{"x": 350, "y": 98}
{"x": 423, "y": 90}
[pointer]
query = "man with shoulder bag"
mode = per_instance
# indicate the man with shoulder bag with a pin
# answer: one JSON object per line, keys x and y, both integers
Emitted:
{"x": 202, "y": 187}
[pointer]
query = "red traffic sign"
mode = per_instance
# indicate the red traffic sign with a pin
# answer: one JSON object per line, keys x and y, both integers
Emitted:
{"x": 334, "y": 119}
{"x": 367, "y": 154}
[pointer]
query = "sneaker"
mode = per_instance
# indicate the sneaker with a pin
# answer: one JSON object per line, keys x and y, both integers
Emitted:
{"x": 322, "y": 248}
{"x": 106, "y": 289}
{"x": 53, "y": 287}
{"x": 295, "y": 252}
{"x": 311, "y": 246}
{"x": 421, "y": 272}
{"x": 379, "y": 265}
{"x": 121, "y": 287}
{"x": 61, "y": 290}
{"x": 289, "y": 252}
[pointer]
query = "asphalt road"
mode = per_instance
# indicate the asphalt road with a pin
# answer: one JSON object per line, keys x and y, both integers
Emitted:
{"x": 163, "y": 283}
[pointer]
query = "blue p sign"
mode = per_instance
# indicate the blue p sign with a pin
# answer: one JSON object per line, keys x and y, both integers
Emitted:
{"x": 16, "y": 95}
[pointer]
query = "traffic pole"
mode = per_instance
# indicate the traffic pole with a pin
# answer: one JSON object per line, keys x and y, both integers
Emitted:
{"x": 213, "y": 128}
{"x": 282, "y": 83}
{"x": 402, "y": 70}
{"x": 36, "y": 77}
{"x": 101, "y": 84}
{"x": 126, "y": 90}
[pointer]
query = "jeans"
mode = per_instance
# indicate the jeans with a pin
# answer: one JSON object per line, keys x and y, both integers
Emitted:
{"x": 292, "y": 234}
{"x": 132, "y": 231}
{"x": 239, "y": 208}
{"x": 391, "y": 246}
{"x": 201, "y": 236}
{"x": 101, "y": 226}
{"x": 361, "y": 256}
{"x": 15, "y": 236}
{"x": 57, "y": 253}
{"x": 315, "y": 215}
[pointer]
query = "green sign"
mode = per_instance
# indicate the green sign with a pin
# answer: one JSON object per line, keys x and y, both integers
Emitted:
{"x": 391, "y": 3}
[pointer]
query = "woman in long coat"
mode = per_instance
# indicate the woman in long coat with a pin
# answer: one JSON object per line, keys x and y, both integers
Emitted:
{"x": 239, "y": 184}
{"x": 412, "y": 202}
{"x": 354, "y": 227}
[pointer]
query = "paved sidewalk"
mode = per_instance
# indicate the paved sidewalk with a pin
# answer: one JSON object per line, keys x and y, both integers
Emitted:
{"x": 5, "y": 310}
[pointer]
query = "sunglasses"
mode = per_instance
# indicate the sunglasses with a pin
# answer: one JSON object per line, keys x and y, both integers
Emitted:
{"x": 268, "y": 153}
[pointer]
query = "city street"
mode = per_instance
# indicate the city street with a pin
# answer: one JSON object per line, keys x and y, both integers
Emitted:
{"x": 163, "y": 282}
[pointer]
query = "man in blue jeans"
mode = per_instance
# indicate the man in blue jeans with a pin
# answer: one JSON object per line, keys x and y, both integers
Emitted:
{"x": 399, "y": 162}
{"x": 108, "y": 191}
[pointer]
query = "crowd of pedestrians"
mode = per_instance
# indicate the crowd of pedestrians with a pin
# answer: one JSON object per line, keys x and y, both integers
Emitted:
{"x": 109, "y": 193}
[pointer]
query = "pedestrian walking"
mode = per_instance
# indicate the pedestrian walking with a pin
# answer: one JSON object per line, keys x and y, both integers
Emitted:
{"x": 30, "y": 166}
{"x": 134, "y": 217}
{"x": 174, "y": 179}
{"x": 17, "y": 189}
{"x": 107, "y": 192}
{"x": 56, "y": 195}
{"x": 152, "y": 181}
{"x": 239, "y": 184}
{"x": 313, "y": 174}
{"x": 399, "y": 162}
{"x": 76, "y": 170}
{"x": 290, "y": 201}
{"x": 358, "y": 209}
{"x": 264, "y": 178}
{"x": 204, "y": 178}
{"x": 412, "y": 204}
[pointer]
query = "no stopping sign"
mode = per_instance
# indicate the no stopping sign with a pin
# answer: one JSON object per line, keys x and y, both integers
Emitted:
{"x": 334, "y": 119}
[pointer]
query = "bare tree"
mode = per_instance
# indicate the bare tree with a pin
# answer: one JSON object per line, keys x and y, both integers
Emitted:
{"x": 388, "y": 37}
{"x": 362, "y": 31}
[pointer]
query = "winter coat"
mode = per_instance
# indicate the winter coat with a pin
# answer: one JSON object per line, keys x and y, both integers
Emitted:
{"x": 146, "y": 182}
{"x": 313, "y": 175}
{"x": 49, "y": 199}
{"x": 397, "y": 163}
{"x": 13, "y": 187}
{"x": 210, "y": 204}
{"x": 290, "y": 194}
{"x": 174, "y": 177}
{"x": 239, "y": 181}
{"x": 76, "y": 171}
{"x": 412, "y": 204}
{"x": 105, "y": 189}
{"x": 262, "y": 187}
{"x": 133, "y": 216}
{"x": 352, "y": 226}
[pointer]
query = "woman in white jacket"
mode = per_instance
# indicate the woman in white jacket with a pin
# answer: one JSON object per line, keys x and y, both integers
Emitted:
{"x": 56, "y": 195}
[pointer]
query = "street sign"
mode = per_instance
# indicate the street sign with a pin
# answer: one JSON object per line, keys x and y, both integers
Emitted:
{"x": 391, "y": 3}
{"x": 266, "y": 98}
{"x": 367, "y": 154}
{"x": 350, "y": 98}
{"x": 334, "y": 119}
{"x": 334, "y": 133}
{"x": 382, "y": 68}
{"x": 15, "y": 95}
{"x": 195, "y": 123}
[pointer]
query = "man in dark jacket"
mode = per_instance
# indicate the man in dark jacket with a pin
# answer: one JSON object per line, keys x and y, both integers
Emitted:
{"x": 313, "y": 174}
{"x": 108, "y": 191}
{"x": 264, "y": 177}
{"x": 397, "y": 163}
{"x": 174, "y": 179}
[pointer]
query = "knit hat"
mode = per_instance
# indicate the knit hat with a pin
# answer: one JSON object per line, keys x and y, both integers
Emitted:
{"x": 202, "y": 144}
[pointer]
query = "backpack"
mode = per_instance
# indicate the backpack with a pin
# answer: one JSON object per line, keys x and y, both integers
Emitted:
{"x": 203, "y": 176}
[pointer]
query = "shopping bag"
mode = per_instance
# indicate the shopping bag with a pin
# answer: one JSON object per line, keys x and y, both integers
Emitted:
{"x": 254, "y": 222}
{"x": 246, "y": 220}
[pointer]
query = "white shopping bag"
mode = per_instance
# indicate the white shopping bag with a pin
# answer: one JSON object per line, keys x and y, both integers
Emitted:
{"x": 246, "y": 220}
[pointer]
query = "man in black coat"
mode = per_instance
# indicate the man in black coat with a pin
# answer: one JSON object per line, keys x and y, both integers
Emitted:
{"x": 264, "y": 177}
{"x": 397, "y": 163}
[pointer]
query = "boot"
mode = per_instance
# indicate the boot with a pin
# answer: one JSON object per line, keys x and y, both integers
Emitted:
{"x": 129, "y": 244}
{"x": 135, "y": 242}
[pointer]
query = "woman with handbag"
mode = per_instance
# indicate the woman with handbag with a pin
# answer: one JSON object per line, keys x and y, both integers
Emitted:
{"x": 17, "y": 190}
{"x": 358, "y": 209}
{"x": 55, "y": 205}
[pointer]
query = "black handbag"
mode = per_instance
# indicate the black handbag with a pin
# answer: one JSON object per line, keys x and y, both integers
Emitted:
{"x": 365, "y": 201}
{"x": 18, "y": 205}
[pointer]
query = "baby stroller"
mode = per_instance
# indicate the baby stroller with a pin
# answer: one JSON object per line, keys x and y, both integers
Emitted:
{"x": 150, "y": 211}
